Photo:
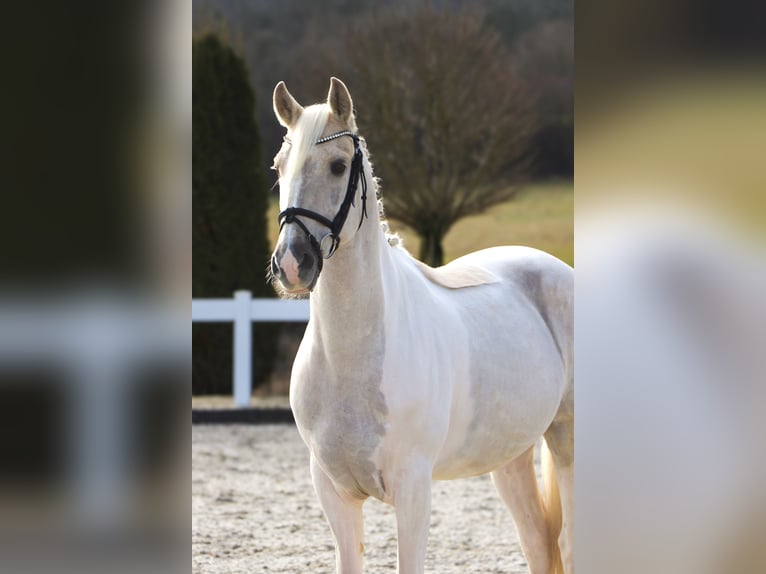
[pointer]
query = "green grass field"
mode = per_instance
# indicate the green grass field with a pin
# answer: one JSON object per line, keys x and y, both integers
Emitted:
{"x": 541, "y": 215}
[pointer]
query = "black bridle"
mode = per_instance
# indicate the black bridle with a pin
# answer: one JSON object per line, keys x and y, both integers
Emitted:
{"x": 290, "y": 215}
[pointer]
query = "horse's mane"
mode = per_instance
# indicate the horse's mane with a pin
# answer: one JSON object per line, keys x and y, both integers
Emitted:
{"x": 304, "y": 135}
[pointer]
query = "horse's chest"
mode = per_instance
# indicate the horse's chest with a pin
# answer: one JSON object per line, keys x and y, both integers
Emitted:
{"x": 342, "y": 422}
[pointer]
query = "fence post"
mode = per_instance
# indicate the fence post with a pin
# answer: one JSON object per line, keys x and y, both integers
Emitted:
{"x": 242, "y": 348}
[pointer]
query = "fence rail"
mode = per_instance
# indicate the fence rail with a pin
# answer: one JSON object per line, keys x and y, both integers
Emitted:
{"x": 243, "y": 310}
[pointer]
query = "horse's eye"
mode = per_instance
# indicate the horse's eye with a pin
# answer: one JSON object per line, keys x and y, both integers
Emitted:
{"x": 338, "y": 167}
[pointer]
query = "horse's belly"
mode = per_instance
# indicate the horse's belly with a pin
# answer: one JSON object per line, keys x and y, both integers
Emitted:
{"x": 507, "y": 402}
{"x": 492, "y": 439}
{"x": 482, "y": 458}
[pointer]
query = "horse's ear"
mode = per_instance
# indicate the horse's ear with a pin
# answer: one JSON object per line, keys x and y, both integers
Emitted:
{"x": 340, "y": 101}
{"x": 285, "y": 107}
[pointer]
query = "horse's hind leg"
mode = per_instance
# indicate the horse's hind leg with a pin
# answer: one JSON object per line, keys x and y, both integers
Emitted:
{"x": 344, "y": 513}
{"x": 560, "y": 440}
{"x": 517, "y": 484}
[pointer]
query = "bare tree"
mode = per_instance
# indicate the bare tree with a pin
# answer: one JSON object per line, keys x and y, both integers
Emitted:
{"x": 444, "y": 111}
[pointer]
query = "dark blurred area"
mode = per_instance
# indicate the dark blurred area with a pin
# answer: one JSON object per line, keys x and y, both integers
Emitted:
{"x": 669, "y": 337}
{"x": 71, "y": 112}
{"x": 95, "y": 269}
{"x": 621, "y": 45}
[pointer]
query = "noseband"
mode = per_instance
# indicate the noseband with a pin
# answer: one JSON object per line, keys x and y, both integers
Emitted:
{"x": 290, "y": 215}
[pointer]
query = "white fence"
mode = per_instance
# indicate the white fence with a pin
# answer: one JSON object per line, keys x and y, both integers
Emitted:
{"x": 243, "y": 310}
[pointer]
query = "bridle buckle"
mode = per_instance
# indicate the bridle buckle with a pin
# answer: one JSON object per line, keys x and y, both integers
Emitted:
{"x": 328, "y": 249}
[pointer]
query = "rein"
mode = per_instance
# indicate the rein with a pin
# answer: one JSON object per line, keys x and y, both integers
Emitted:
{"x": 322, "y": 249}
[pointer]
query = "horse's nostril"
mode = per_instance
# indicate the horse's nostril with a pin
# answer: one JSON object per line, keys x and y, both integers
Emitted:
{"x": 307, "y": 262}
{"x": 275, "y": 266}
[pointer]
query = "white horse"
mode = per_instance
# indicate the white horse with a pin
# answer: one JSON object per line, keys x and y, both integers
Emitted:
{"x": 407, "y": 373}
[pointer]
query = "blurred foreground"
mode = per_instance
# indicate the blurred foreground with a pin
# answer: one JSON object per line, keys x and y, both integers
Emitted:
{"x": 671, "y": 326}
{"x": 95, "y": 278}
{"x": 670, "y": 318}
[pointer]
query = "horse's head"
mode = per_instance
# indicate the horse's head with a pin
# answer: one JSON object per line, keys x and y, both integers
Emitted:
{"x": 322, "y": 187}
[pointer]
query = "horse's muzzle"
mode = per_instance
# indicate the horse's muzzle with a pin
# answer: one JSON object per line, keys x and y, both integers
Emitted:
{"x": 295, "y": 266}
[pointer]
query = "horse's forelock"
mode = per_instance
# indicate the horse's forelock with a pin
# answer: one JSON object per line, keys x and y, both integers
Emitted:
{"x": 307, "y": 131}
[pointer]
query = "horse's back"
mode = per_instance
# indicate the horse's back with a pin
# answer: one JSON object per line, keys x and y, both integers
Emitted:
{"x": 546, "y": 282}
{"x": 502, "y": 283}
{"x": 516, "y": 261}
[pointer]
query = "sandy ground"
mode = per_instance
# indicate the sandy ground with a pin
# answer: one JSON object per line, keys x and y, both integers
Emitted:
{"x": 254, "y": 510}
{"x": 214, "y": 402}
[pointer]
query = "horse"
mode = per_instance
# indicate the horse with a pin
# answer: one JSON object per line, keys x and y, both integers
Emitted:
{"x": 407, "y": 373}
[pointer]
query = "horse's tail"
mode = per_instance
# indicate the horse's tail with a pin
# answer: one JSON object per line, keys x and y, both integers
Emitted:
{"x": 552, "y": 507}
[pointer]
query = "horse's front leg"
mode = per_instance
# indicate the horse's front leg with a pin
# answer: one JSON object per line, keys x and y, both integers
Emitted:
{"x": 344, "y": 513}
{"x": 412, "y": 499}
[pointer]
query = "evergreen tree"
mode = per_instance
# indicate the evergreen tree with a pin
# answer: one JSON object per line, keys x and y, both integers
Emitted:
{"x": 230, "y": 200}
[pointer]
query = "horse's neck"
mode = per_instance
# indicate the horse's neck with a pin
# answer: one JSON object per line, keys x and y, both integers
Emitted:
{"x": 347, "y": 304}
